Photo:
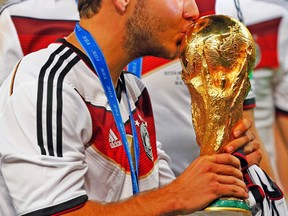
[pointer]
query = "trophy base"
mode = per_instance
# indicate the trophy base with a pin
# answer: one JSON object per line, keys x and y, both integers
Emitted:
{"x": 229, "y": 204}
{"x": 226, "y": 207}
{"x": 223, "y": 212}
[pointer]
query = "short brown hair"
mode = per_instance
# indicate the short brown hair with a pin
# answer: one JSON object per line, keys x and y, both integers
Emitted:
{"x": 87, "y": 8}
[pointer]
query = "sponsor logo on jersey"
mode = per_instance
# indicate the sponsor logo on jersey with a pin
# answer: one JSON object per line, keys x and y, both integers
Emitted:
{"x": 113, "y": 140}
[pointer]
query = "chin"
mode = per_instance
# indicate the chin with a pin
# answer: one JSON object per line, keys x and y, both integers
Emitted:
{"x": 174, "y": 54}
{"x": 162, "y": 51}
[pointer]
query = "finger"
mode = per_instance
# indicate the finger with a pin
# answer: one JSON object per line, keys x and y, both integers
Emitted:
{"x": 230, "y": 180}
{"x": 254, "y": 158}
{"x": 226, "y": 159}
{"x": 250, "y": 134}
{"x": 252, "y": 146}
{"x": 235, "y": 189}
{"x": 226, "y": 170}
{"x": 241, "y": 127}
{"x": 238, "y": 143}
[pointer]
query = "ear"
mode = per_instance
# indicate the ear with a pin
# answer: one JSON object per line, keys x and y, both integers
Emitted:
{"x": 121, "y": 5}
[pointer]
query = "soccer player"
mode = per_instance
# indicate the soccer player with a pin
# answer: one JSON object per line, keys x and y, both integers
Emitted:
{"x": 68, "y": 134}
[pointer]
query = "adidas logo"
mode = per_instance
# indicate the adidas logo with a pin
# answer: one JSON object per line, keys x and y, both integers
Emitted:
{"x": 113, "y": 140}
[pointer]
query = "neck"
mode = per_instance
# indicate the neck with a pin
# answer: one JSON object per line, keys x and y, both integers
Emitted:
{"x": 110, "y": 43}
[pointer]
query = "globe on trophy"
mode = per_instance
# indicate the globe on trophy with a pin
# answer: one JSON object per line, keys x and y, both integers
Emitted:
{"x": 217, "y": 54}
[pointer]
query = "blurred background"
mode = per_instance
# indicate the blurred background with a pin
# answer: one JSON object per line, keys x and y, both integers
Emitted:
{"x": 2, "y": 1}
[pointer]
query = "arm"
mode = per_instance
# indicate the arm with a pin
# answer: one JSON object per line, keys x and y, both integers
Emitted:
{"x": 219, "y": 173}
{"x": 265, "y": 162}
{"x": 255, "y": 151}
{"x": 215, "y": 176}
{"x": 282, "y": 158}
{"x": 282, "y": 125}
{"x": 62, "y": 178}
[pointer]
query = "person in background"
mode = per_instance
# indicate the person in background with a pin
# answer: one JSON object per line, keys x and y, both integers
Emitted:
{"x": 268, "y": 24}
{"x": 29, "y": 25}
{"x": 2, "y": 2}
{"x": 171, "y": 99}
{"x": 283, "y": 3}
{"x": 58, "y": 126}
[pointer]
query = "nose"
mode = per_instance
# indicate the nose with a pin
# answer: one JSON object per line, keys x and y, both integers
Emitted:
{"x": 190, "y": 10}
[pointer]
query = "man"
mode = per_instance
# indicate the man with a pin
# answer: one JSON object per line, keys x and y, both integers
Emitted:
{"x": 58, "y": 124}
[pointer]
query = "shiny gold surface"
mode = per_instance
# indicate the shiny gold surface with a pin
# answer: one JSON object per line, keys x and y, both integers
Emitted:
{"x": 217, "y": 54}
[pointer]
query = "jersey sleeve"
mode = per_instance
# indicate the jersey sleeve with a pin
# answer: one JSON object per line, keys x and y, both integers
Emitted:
{"x": 281, "y": 89}
{"x": 166, "y": 174}
{"x": 42, "y": 154}
{"x": 250, "y": 101}
{"x": 10, "y": 48}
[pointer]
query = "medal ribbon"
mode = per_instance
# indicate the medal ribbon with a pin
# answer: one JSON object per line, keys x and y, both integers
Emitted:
{"x": 99, "y": 63}
{"x": 136, "y": 67}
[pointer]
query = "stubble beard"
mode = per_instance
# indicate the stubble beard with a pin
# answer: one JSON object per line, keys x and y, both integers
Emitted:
{"x": 141, "y": 34}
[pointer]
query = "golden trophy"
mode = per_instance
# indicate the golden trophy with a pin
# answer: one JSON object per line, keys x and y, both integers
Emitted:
{"x": 217, "y": 54}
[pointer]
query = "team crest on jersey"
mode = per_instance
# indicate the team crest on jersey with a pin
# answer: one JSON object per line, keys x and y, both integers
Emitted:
{"x": 146, "y": 140}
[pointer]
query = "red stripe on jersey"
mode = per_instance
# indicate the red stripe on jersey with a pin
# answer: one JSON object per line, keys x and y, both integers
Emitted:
{"x": 206, "y": 7}
{"x": 103, "y": 124}
{"x": 35, "y": 34}
{"x": 280, "y": 112}
{"x": 250, "y": 106}
{"x": 265, "y": 35}
{"x": 69, "y": 210}
{"x": 150, "y": 63}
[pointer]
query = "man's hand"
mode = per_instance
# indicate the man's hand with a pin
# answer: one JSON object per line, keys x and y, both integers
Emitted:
{"x": 245, "y": 139}
{"x": 208, "y": 178}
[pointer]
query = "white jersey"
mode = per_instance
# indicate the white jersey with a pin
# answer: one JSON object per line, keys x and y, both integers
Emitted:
{"x": 59, "y": 143}
{"x": 283, "y": 3}
{"x": 29, "y": 25}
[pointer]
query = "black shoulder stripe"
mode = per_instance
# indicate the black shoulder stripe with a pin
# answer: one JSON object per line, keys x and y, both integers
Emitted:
{"x": 52, "y": 85}
{"x": 40, "y": 99}
{"x": 60, "y": 103}
{"x": 49, "y": 105}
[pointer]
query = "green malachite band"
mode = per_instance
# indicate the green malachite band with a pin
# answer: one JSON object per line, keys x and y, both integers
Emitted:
{"x": 227, "y": 203}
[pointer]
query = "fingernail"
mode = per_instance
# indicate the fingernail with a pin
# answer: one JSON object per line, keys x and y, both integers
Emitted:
{"x": 229, "y": 149}
{"x": 237, "y": 133}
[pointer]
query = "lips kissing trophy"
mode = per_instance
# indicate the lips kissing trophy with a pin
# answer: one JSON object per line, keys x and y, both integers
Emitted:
{"x": 217, "y": 54}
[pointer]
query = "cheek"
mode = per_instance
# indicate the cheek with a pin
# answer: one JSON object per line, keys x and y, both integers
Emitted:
{"x": 170, "y": 9}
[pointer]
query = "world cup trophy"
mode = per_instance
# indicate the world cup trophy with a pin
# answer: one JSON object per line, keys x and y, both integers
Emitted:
{"x": 217, "y": 54}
